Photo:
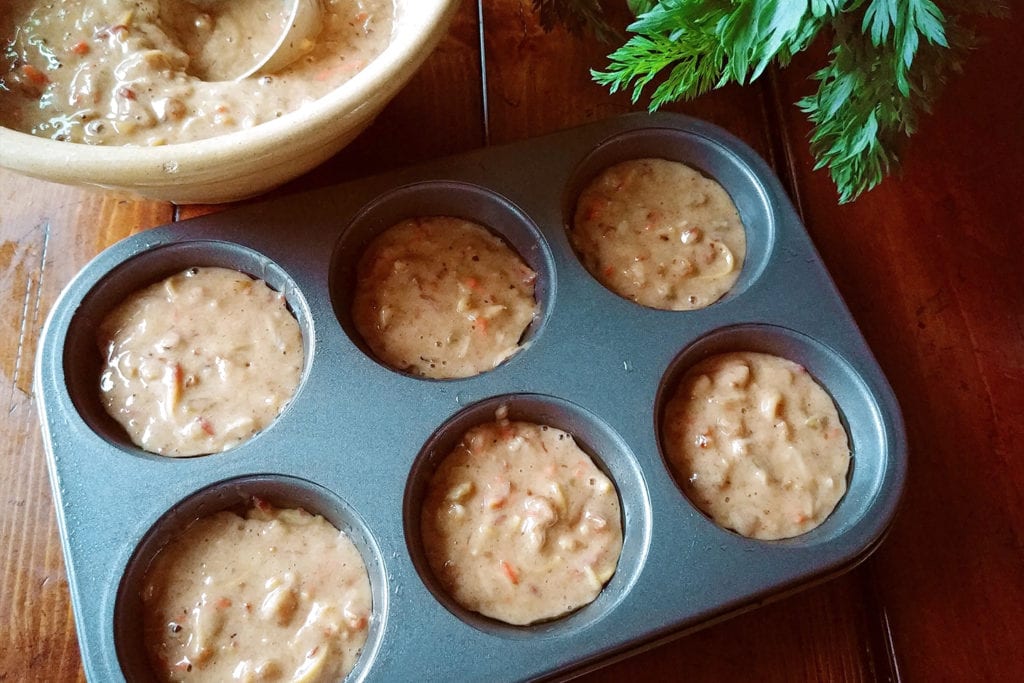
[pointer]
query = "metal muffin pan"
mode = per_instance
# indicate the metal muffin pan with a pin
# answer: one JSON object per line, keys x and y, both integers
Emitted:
{"x": 359, "y": 441}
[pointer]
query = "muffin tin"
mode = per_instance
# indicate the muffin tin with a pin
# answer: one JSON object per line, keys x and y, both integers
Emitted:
{"x": 358, "y": 441}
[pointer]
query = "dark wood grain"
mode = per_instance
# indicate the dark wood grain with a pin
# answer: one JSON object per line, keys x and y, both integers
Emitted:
{"x": 930, "y": 265}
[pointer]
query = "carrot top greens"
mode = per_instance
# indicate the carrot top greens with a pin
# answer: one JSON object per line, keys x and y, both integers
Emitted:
{"x": 887, "y": 63}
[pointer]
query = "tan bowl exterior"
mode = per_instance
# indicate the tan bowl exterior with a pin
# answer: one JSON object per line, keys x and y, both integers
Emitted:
{"x": 245, "y": 163}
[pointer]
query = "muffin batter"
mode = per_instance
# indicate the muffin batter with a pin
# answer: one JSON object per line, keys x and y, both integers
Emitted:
{"x": 659, "y": 233}
{"x": 519, "y": 525}
{"x": 154, "y": 72}
{"x": 200, "y": 362}
{"x": 276, "y": 595}
{"x": 757, "y": 444}
{"x": 442, "y": 297}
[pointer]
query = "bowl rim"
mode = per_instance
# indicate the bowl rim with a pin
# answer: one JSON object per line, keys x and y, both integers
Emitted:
{"x": 415, "y": 23}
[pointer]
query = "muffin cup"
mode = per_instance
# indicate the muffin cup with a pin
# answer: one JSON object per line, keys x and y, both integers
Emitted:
{"x": 82, "y": 360}
{"x": 859, "y": 412}
{"x": 236, "y": 495}
{"x": 595, "y": 438}
{"x": 440, "y": 198}
{"x": 709, "y": 157}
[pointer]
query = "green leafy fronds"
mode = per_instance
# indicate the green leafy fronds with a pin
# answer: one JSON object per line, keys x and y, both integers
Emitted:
{"x": 638, "y": 7}
{"x": 906, "y": 21}
{"x": 748, "y": 34}
{"x": 869, "y": 98}
{"x": 577, "y": 16}
{"x": 695, "y": 59}
{"x": 856, "y": 113}
{"x": 887, "y": 63}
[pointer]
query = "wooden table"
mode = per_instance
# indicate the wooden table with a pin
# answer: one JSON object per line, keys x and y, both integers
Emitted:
{"x": 931, "y": 264}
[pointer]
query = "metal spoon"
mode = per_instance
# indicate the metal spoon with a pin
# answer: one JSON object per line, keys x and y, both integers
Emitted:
{"x": 303, "y": 25}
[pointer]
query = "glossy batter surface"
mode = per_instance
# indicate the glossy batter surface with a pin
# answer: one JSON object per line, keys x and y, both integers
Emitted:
{"x": 442, "y": 297}
{"x": 659, "y": 233}
{"x": 199, "y": 362}
{"x": 154, "y": 72}
{"x": 276, "y": 595}
{"x": 757, "y": 444}
{"x": 519, "y": 524}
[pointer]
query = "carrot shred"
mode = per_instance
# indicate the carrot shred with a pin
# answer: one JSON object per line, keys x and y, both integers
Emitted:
{"x": 510, "y": 572}
{"x": 33, "y": 74}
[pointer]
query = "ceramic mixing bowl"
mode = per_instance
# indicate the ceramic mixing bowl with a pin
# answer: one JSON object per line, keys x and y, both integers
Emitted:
{"x": 248, "y": 162}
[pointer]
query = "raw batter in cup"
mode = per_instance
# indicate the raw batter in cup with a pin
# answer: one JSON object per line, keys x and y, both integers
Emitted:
{"x": 442, "y": 297}
{"x": 518, "y": 523}
{"x": 757, "y": 444}
{"x": 659, "y": 233}
{"x": 199, "y": 362}
{"x": 276, "y": 595}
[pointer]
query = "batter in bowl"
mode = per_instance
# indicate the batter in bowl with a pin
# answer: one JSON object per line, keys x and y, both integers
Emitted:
{"x": 155, "y": 72}
{"x": 442, "y": 297}
{"x": 199, "y": 362}
{"x": 274, "y": 595}
{"x": 659, "y": 233}
{"x": 518, "y": 523}
{"x": 757, "y": 444}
